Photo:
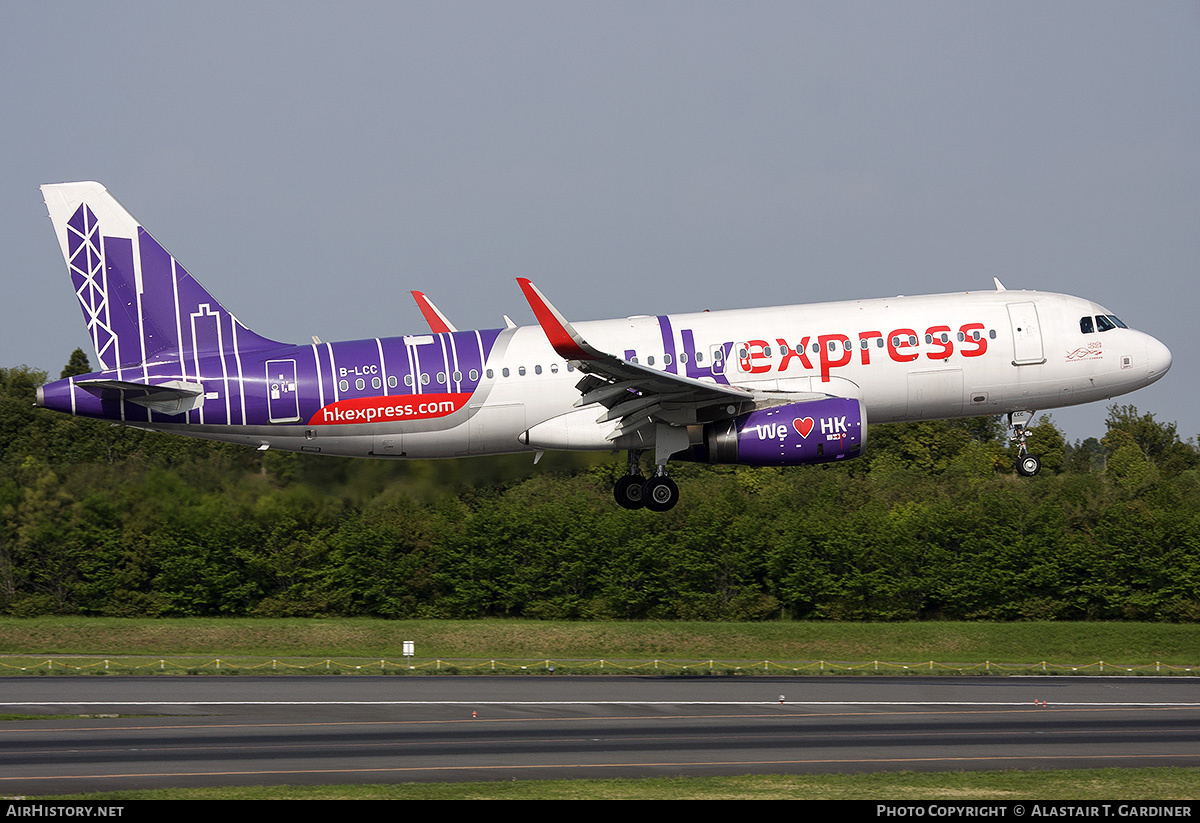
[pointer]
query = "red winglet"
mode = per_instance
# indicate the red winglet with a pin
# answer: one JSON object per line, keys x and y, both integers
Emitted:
{"x": 556, "y": 327}
{"x": 436, "y": 320}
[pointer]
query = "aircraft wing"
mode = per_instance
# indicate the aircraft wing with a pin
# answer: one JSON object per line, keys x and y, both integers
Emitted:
{"x": 634, "y": 394}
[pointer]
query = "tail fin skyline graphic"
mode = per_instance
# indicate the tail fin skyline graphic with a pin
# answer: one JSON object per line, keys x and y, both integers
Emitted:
{"x": 138, "y": 302}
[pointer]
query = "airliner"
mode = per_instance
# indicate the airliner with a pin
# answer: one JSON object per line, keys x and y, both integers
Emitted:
{"x": 775, "y": 386}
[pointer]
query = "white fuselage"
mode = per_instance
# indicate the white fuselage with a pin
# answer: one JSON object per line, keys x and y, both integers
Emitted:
{"x": 906, "y": 358}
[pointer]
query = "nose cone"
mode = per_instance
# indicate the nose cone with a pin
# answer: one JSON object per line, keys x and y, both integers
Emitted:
{"x": 1158, "y": 359}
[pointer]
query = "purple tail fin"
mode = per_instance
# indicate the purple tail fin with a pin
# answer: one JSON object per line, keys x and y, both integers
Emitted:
{"x": 139, "y": 303}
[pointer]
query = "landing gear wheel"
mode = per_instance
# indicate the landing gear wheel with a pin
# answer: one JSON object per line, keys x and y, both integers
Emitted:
{"x": 1028, "y": 465}
{"x": 628, "y": 491}
{"x": 660, "y": 493}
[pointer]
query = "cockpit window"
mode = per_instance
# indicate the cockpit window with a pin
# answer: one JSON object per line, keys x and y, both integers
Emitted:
{"x": 1104, "y": 324}
{"x": 1085, "y": 325}
{"x": 1117, "y": 320}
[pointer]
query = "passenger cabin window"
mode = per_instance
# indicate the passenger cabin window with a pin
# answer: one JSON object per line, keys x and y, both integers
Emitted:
{"x": 1085, "y": 325}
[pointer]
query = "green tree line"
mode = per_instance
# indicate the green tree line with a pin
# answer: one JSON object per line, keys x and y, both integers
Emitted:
{"x": 932, "y": 523}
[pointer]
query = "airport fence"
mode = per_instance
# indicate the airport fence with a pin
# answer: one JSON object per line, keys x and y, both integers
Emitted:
{"x": 178, "y": 665}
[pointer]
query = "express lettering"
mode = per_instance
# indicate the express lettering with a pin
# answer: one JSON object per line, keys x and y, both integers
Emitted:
{"x": 837, "y": 350}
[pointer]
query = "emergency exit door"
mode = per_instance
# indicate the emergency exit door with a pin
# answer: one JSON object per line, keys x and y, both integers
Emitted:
{"x": 283, "y": 401}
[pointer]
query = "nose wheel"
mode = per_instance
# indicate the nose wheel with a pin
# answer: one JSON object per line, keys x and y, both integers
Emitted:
{"x": 1027, "y": 464}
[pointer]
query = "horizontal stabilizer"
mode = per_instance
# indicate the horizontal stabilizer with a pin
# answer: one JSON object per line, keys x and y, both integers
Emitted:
{"x": 174, "y": 397}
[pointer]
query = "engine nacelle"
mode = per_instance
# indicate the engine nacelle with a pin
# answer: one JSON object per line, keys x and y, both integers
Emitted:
{"x": 817, "y": 431}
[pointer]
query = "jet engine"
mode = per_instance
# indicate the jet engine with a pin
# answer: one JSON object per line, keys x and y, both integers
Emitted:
{"x": 815, "y": 431}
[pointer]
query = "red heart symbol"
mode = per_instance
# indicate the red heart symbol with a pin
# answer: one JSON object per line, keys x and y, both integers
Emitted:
{"x": 803, "y": 425}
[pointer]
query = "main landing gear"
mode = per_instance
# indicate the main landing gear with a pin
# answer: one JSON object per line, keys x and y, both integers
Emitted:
{"x": 658, "y": 493}
{"x": 1027, "y": 464}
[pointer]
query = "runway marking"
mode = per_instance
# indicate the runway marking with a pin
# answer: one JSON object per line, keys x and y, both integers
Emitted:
{"x": 632, "y": 765}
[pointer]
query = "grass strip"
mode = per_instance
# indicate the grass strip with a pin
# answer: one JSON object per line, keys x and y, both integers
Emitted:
{"x": 1110, "y": 785}
{"x": 951, "y": 645}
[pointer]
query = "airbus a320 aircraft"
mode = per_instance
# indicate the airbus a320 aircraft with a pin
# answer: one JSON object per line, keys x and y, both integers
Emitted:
{"x": 776, "y": 386}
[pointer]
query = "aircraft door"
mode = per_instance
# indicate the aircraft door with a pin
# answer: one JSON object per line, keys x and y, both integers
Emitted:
{"x": 1027, "y": 334}
{"x": 283, "y": 401}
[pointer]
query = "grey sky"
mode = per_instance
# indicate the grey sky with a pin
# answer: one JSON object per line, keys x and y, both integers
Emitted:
{"x": 311, "y": 163}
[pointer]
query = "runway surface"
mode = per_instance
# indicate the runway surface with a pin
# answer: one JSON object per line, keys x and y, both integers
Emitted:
{"x": 183, "y": 731}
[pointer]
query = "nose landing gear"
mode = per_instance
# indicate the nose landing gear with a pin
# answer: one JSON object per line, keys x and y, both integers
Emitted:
{"x": 1027, "y": 464}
